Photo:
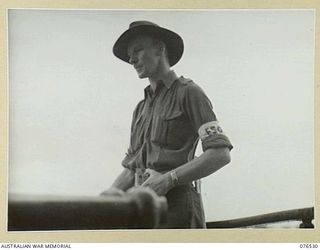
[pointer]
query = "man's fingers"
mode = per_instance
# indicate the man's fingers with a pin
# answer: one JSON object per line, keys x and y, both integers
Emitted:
{"x": 145, "y": 184}
{"x": 151, "y": 172}
{"x": 148, "y": 171}
{"x": 147, "y": 175}
{"x": 113, "y": 192}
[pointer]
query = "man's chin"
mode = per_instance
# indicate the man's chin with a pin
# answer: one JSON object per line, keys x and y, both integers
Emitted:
{"x": 141, "y": 76}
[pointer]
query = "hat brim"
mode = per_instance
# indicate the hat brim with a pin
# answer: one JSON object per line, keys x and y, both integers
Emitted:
{"x": 173, "y": 41}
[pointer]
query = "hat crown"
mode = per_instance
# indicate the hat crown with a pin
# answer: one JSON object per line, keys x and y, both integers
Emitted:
{"x": 139, "y": 23}
{"x": 174, "y": 43}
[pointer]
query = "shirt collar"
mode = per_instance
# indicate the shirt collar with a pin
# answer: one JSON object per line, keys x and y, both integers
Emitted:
{"x": 167, "y": 81}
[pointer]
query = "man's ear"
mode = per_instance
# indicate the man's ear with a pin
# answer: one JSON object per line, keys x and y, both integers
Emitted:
{"x": 160, "y": 48}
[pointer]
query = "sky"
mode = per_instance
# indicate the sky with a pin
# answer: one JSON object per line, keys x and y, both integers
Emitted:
{"x": 71, "y": 101}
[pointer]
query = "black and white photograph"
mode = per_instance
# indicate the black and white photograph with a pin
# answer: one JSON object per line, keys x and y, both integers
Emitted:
{"x": 161, "y": 119}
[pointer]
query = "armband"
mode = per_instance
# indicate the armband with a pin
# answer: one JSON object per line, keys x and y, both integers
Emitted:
{"x": 209, "y": 128}
{"x": 212, "y": 136}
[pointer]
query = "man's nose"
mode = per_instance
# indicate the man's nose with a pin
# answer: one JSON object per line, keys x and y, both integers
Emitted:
{"x": 133, "y": 59}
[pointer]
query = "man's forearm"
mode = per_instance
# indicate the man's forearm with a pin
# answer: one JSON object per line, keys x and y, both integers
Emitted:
{"x": 209, "y": 162}
{"x": 124, "y": 181}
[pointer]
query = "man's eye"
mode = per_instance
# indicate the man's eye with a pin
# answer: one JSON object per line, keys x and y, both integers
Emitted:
{"x": 135, "y": 51}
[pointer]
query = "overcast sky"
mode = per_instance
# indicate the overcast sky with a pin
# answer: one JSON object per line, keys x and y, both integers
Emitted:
{"x": 71, "y": 101}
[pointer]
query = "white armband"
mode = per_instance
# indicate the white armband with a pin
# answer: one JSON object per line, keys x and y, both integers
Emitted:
{"x": 209, "y": 128}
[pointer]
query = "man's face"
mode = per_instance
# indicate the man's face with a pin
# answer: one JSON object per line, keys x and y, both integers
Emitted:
{"x": 144, "y": 55}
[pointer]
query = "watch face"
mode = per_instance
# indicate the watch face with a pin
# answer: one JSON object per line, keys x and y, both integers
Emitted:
{"x": 174, "y": 177}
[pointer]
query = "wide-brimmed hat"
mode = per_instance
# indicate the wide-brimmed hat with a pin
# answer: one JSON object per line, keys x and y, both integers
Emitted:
{"x": 173, "y": 41}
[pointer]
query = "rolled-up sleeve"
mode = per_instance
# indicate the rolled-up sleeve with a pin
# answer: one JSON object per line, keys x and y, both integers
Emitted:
{"x": 199, "y": 111}
{"x": 129, "y": 162}
{"x": 212, "y": 136}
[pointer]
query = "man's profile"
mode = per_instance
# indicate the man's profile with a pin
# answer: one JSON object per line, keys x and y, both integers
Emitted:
{"x": 166, "y": 126}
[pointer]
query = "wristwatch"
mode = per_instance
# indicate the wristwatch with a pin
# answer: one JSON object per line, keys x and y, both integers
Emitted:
{"x": 174, "y": 177}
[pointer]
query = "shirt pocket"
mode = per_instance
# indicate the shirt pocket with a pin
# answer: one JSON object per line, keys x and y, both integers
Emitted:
{"x": 167, "y": 129}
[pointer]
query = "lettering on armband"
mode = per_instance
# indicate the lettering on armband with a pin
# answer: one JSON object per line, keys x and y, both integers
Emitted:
{"x": 209, "y": 128}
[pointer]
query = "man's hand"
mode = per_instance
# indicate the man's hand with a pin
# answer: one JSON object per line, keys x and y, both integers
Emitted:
{"x": 113, "y": 192}
{"x": 160, "y": 183}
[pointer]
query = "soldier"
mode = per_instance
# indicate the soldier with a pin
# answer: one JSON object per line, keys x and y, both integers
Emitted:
{"x": 166, "y": 126}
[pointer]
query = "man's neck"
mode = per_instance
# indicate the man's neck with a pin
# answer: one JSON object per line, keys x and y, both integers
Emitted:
{"x": 161, "y": 74}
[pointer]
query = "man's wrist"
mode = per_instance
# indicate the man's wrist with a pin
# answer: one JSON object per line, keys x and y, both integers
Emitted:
{"x": 173, "y": 178}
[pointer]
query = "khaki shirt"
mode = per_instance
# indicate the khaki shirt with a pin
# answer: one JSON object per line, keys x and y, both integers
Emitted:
{"x": 166, "y": 126}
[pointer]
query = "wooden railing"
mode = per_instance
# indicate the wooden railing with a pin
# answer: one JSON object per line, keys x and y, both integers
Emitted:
{"x": 305, "y": 215}
{"x": 139, "y": 209}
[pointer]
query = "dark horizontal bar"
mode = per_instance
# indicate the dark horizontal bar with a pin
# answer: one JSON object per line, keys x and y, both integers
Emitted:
{"x": 288, "y": 215}
{"x": 139, "y": 209}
